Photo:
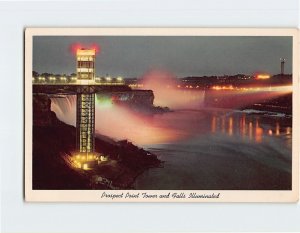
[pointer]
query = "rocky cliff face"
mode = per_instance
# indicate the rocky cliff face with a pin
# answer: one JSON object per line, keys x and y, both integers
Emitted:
{"x": 42, "y": 114}
{"x": 138, "y": 101}
{"x": 142, "y": 97}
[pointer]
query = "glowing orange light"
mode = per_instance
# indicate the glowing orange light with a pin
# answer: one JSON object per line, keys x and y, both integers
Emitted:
{"x": 258, "y": 133}
{"x": 75, "y": 47}
{"x": 213, "y": 124}
{"x": 223, "y": 124}
{"x": 263, "y": 76}
{"x": 270, "y": 132}
{"x": 250, "y": 130}
{"x": 244, "y": 130}
{"x": 230, "y": 87}
{"x": 216, "y": 88}
{"x": 95, "y": 47}
{"x": 230, "y": 126}
{"x": 277, "y": 128}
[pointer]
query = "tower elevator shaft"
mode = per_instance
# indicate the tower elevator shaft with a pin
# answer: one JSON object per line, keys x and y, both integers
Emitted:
{"x": 85, "y": 121}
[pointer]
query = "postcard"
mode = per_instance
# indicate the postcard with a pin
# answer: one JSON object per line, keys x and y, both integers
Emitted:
{"x": 161, "y": 115}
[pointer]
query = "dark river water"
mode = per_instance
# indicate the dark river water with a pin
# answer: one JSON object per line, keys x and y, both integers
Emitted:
{"x": 222, "y": 149}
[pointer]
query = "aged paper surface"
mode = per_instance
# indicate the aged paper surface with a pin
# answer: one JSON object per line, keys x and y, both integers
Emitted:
{"x": 161, "y": 115}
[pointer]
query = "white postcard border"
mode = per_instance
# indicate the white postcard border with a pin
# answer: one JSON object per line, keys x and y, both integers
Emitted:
{"x": 97, "y": 195}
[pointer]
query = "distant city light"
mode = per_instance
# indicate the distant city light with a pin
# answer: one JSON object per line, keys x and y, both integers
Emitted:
{"x": 270, "y": 132}
{"x": 230, "y": 87}
{"x": 263, "y": 76}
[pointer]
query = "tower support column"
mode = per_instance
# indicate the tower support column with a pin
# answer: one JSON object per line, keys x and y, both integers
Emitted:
{"x": 85, "y": 120}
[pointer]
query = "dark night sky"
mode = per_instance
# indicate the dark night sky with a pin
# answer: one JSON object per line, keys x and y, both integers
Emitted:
{"x": 184, "y": 56}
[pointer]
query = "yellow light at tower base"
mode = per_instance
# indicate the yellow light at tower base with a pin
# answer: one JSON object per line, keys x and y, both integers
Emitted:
{"x": 85, "y": 166}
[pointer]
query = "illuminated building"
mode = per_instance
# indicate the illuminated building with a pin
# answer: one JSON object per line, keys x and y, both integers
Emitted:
{"x": 86, "y": 64}
{"x": 85, "y": 115}
{"x": 263, "y": 76}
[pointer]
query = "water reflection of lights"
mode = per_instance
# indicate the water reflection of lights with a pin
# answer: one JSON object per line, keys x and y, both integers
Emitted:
{"x": 258, "y": 132}
{"x": 213, "y": 124}
{"x": 247, "y": 129}
{"x": 230, "y": 126}
{"x": 277, "y": 128}
{"x": 223, "y": 124}
{"x": 250, "y": 130}
{"x": 270, "y": 132}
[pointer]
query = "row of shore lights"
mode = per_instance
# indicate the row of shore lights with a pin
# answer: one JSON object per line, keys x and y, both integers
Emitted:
{"x": 108, "y": 79}
{"x": 64, "y": 79}
{"x": 52, "y": 78}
